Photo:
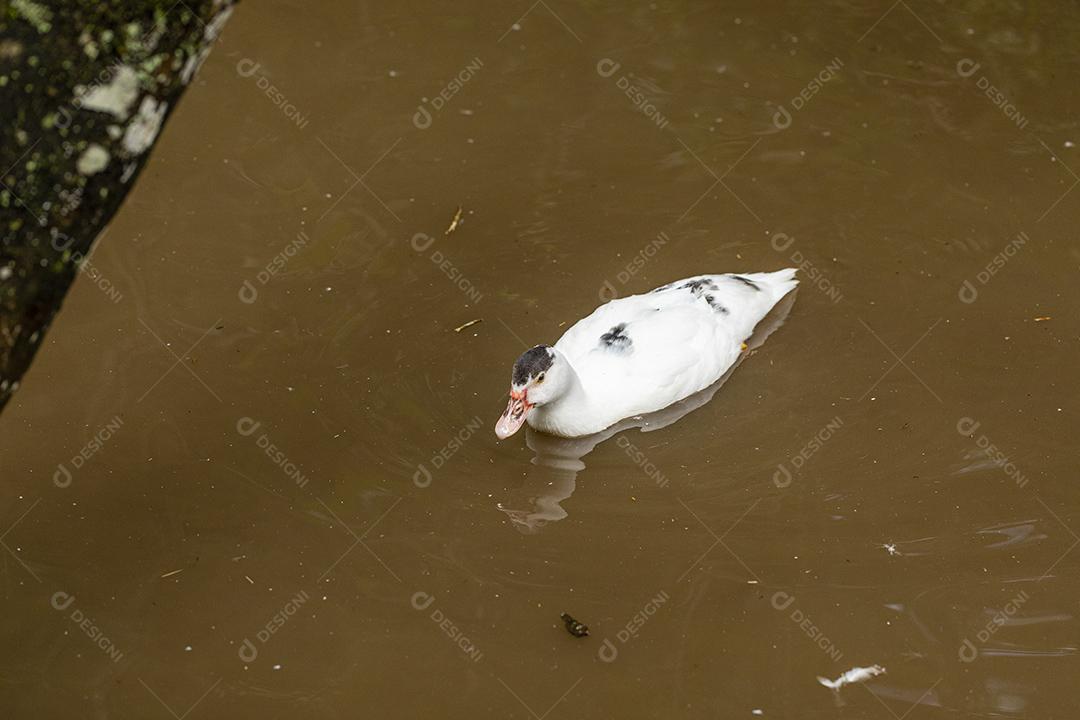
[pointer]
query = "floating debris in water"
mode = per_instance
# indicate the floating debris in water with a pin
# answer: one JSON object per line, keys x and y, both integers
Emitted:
{"x": 854, "y": 675}
{"x": 455, "y": 222}
{"x": 468, "y": 324}
{"x": 170, "y": 574}
{"x": 574, "y": 627}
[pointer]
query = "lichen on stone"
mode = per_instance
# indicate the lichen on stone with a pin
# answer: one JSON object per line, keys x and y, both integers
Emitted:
{"x": 37, "y": 15}
{"x": 93, "y": 160}
{"x": 144, "y": 127}
{"x": 83, "y": 105}
{"x": 115, "y": 97}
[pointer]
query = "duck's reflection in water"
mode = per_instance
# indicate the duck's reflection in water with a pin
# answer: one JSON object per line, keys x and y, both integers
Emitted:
{"x": 557, "y": 462}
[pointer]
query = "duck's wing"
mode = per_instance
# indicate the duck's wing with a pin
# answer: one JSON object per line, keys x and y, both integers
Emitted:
{"x": 644, "y": 352}
{"x": 742, "y": 300}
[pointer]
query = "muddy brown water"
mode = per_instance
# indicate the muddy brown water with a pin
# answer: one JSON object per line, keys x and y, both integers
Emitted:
{"x": 285, "y": 499}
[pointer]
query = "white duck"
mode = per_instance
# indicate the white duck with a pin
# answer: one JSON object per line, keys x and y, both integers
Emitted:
{"x": 639, "y": 354}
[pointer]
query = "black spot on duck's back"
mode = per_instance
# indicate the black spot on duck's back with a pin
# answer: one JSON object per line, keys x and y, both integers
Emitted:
{"x": 698, "y": 286}
{"x": 745, "y": 281}
{"x": 616, "y": 338}
{"x": 532, "y": 363}
{"x": 715, "y": 305}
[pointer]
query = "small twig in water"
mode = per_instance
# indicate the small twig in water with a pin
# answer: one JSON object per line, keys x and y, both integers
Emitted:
{"x": 471, "y": 322}
{"x": 455, "y": 222}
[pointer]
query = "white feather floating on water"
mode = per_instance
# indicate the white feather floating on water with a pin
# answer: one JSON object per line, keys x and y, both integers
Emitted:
{"x": 854, "y": 675}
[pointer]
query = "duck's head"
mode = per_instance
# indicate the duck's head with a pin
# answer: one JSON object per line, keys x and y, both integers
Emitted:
{"x": 540, "y": 376}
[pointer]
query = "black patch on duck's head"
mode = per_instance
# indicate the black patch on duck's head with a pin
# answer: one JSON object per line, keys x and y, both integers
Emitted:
{"x": 616, "y": 338}
{"x": 746, "y": 281}
{"x": 531, "y": 363}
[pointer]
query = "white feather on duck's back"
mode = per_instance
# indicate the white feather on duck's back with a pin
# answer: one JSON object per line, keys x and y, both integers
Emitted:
{"x": 640, "y": 353}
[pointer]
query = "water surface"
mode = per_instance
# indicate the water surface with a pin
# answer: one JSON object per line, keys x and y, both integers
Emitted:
{"x": 267, "y": 473}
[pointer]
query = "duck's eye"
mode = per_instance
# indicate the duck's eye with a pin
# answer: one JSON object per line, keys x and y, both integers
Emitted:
{"x": 540, "y": 378}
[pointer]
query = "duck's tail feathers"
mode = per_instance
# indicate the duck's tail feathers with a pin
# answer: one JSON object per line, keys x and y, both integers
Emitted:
{"x": 779, "y": 283}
